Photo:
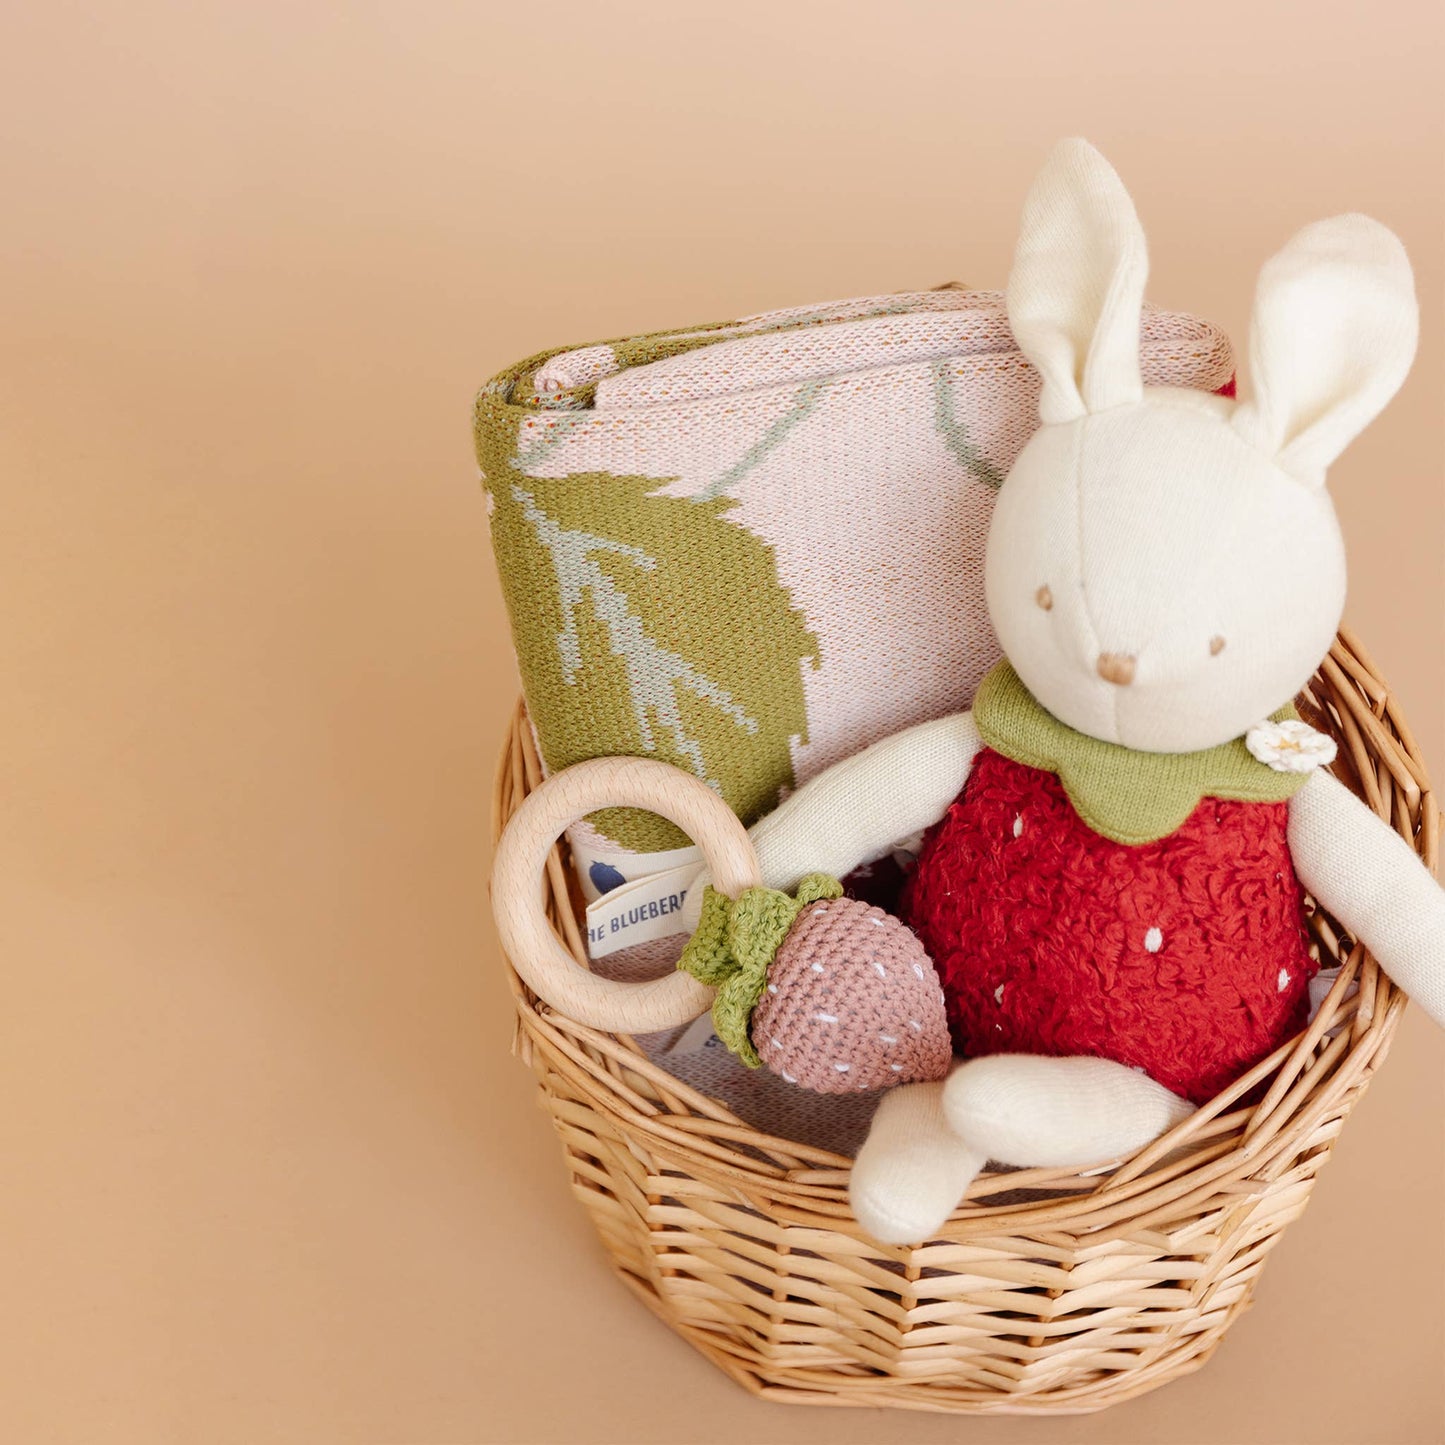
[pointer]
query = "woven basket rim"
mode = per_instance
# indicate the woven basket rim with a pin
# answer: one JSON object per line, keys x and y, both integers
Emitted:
{"x": 1301, "y": 1092}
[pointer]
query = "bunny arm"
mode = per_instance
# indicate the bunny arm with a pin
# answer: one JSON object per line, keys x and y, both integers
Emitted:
{"x": 859, "y": 808}
{"x": 1370, "y": 878}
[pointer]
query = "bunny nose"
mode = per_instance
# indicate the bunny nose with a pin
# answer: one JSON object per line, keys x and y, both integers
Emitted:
{"x": 1116, "y": 667}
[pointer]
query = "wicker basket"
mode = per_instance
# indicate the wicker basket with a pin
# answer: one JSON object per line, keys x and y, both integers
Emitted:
{"x": 1049, "y": 1290}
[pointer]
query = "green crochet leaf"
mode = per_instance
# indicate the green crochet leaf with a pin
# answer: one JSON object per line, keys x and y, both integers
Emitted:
{"x": 707, "y": 956}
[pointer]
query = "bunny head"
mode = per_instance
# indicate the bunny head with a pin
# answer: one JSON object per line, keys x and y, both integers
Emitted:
{"x": 1164, "y": 567}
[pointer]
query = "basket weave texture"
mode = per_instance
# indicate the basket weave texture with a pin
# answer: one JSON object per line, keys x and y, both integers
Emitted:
{"x": 1048, "y": 1290}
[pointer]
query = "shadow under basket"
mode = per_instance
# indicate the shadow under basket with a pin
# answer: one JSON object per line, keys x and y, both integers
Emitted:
{"x": 1048, "y": 1290}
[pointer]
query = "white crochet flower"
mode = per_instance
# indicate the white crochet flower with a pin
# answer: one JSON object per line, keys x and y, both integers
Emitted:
{"x": 1290, "y": 746}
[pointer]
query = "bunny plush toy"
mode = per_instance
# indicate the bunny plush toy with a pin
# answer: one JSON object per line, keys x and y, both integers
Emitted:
{"x": 1118, "y": 838}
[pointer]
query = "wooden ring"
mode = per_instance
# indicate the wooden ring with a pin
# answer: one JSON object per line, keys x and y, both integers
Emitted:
{"x": 518, "y": 890}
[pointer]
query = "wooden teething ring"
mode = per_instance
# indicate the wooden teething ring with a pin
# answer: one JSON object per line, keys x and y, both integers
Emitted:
{"x": 517, "y": 887}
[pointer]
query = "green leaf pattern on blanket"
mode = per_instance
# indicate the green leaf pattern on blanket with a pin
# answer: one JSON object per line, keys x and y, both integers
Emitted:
{"x": 955, "y": 434}
{"x": 612, "y": 589}
{"x": 773, "y": 437}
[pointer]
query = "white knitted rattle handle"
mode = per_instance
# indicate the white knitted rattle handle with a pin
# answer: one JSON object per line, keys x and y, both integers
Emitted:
{"x": 517, "y": 887}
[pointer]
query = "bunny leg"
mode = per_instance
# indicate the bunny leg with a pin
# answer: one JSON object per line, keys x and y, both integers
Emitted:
{"x": 912, "y": 1169}
{"x": 1034, "y": 1111}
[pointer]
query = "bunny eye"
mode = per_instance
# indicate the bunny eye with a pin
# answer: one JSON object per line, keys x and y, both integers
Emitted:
{"x": 1045, "y": 598}
{"x": 1216, "y": 646}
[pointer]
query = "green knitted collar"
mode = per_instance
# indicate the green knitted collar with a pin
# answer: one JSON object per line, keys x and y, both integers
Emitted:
{"x": 1128, "y": 796}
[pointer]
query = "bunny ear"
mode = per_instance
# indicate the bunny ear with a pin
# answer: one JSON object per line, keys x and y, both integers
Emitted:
{"x": 1077, "y": 286}
{"x": 1333, "y": 334}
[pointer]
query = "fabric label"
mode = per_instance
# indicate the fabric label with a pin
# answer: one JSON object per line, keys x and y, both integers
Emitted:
{"x": 600, "y": 873}
{"x": 637, "y": 912}
{"x": 696, "y": 1037}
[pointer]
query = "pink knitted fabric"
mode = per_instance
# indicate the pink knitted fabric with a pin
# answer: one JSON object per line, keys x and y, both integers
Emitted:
{"x": 852, "y": 1003}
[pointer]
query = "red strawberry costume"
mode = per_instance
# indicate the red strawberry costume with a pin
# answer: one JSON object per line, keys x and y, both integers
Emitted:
{"x": 1082, "y": 898}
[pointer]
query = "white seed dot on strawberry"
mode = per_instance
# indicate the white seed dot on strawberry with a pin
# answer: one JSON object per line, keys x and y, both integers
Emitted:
{"x": 918, "y": 970}
{"x": 772, "y": 988}
{"x": 889, "y": 1038}
{"x": 915, "y": 1026}
{"x": 789, "y": 1077}
{"x": 1283, "y": 979}
{"x": 826, "y": 1018}
{"x": 879, "y": 969}
{"x": 897, "y": 1068}
{"x": 817, "y": 968}
{"x": 1018, "y": 825}
{"x": 998, "y": 994}
{"x": 1154, "y": 940}
{"x": 842, "y": 1068}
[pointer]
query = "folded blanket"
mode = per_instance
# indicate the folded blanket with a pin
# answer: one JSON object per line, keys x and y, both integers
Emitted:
{"x": 752, "y": 549}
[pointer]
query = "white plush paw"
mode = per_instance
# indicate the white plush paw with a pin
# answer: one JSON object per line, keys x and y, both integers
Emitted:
{"x": 1032, "y": 1111}
{"x": 893, "y": 1212}
{"x": 912, "y": 1170}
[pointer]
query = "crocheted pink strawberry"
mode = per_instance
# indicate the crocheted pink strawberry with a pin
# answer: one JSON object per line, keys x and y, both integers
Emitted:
{"x": 833, "y": 994}
{"x": 852, "y": 1002}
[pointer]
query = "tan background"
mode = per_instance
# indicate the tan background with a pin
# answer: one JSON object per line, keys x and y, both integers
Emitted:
{"x": 268, "y": 1171}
